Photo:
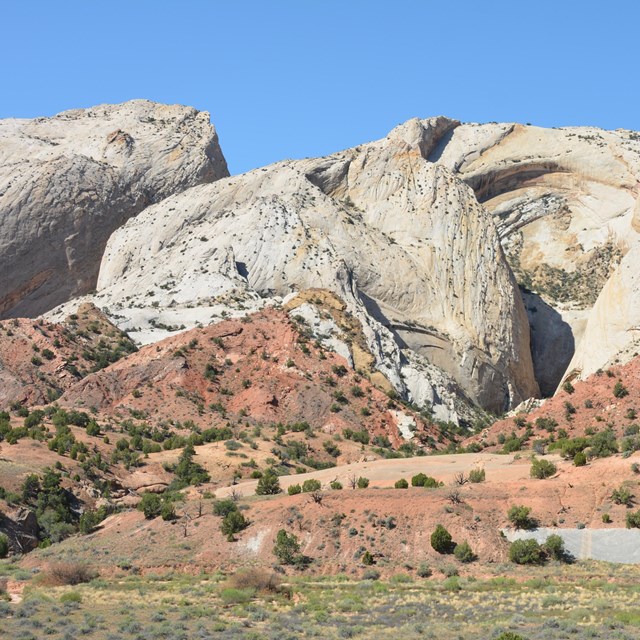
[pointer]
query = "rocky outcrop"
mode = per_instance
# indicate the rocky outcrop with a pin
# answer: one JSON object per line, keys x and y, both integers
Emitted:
{"x": 67, "y": 182}
{"x": 398, "y": 238}
{"x": 566, "y": 203}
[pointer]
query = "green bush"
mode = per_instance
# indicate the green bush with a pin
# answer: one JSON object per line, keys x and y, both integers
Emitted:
{"x": 150, "y": 505}
{"x": 441, "y": 540}
{"x": 633, "y": 519}
{"x": 311, "y": 485}
{"x": 619, "y": 390}
{"x": 294, "y": 489}
{"x": 606, "y": 518}
{"x": 401, "y": 484}
{"x": 526, "y": 552}
{"x": 269, "y": 484}
{"x": 422, "y": 480}
{"x": 224, "y": 507}
{"x": 233, "y": 523}
{"x": 622, "y": 495}
{"x": 554, "y": 547}
{"x": 519, "y": 516}
{"x": 168, "y": 511}
{"x": 542, "y": 469}
{"x": 424, "y": 570}
{"x": 363, "y": 483}
{"x": 236, "y": 596}
{"x": 477, "y": 475}
{"x": 336, "y": 485}
{"x": 464, "y": 553}
{"x": 4, "y": 545}
{"x": 367, "y": 558}
{"x": 509, "y": 635}
{"x": 287, "y": 548}
{"x": 580, "y": 459}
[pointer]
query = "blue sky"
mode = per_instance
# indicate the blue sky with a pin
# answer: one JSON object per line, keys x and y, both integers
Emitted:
{"x": 296, "y": 78}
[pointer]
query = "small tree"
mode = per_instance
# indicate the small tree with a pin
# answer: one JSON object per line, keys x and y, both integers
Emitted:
{"x": 150, "y": 505}
{"x": 367, "y": 558}
{"x": 519, "y": 516}
{"x": 287, "y": 547}
{"x": 168, "y": 511}
{"x": 232, "y": 523}
{"x": 269, "y": 484}
{"x": 311, "y": 485}
{"x": 464, "y": 553}
{"x": 526, "y": 552}
{"x": 441, "y": 540}
{"x": 363, "y": 483}
{"x": 401, "y": 484}
{"x": 224, "y": 507}
{"x": 554, "y": 547}
{"x": 542, "y": 469}
{"x": 580, "y": 459}
{"x": 619, "y": 390}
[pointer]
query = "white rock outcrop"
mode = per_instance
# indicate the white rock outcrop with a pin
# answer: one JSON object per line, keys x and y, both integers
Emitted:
{"x": 68, "y": 182}
{"x": 399, "y": 238}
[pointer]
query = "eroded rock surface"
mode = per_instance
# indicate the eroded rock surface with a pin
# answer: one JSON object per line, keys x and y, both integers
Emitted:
{"x": 67, "y": 182}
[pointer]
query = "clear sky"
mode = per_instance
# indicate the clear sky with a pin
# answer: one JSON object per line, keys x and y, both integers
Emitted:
{"x": 296, "y": 78}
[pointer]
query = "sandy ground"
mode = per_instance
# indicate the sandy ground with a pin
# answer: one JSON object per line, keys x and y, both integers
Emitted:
{"x": 384, "y": 473}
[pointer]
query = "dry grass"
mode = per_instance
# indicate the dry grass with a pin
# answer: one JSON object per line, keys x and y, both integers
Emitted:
{"x": 67, "y": 573}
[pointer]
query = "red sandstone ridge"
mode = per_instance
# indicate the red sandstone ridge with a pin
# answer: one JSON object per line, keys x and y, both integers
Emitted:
{"x": 607, "y": 399}
{"x": 260, "y": 369}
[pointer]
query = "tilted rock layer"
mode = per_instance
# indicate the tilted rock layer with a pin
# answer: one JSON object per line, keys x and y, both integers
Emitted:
{"x": 67, "y": 182}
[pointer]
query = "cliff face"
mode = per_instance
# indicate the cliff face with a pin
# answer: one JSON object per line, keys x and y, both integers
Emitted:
{"x": 67, "y": 182}
{"x": 400, "y": 239}
{"x": 566, "y": 204}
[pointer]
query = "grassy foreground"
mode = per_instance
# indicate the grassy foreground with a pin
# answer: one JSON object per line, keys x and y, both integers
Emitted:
{"x": 588, "y": 600}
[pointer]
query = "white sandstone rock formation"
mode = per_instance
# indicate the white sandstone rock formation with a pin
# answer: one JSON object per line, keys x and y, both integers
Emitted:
{"x": 68, "y": 182}
{"x": 399, "y": 238}
{"x": 567, "y": 205}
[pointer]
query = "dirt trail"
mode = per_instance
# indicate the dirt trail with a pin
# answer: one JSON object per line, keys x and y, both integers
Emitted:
{"x": 383, "y": 473}
{"x": 14, "y": 590}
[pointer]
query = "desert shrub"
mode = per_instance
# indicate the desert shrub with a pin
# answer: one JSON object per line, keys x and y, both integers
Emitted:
{"x": 519, "y": 516}
{"x": 422, "y": 480}
{"x": 371, "y": 574}
{"x": 554, "y": 547}
{"x": 71, "y": 597}
{"x": 294, "y": 489}
{"x": 619, "y": 390}
{"x": 568, "y": 387}
{"x": 233, "y": 523}
{"x": 367, "y": 558}
{"x": 401, "y": 484}
{"x": 510, "y": 635}
{"x": 89, "y": 520}
{"x": 260, "y": 580}
{"x": 464, "y": 553}
{"x": 168, "y": 511}
{"x": 526, "y": 552}
{"x": 580, "y": 459}
{"x": 311, "y": 485}
{"x": 236, "y": 596}
{"x": 622, "y": 495}
{"x": 4, "y": 545}
{"x": 477, "y": 475}
{"x": 188, "y": 471}
{"x": 424, "y": 570}
{"x": 633, "y": 519}
{"x": 541, "y": 468}
{"x": 269, "y": 484}
{"x": 224, "y": 507}
{"x": 363, "y": 483}
{"x": 150, "y": 505}
{"x": 606, "y": 518}
{"x": 441, "y": 540}
{"x": 603, "y": 444}
{"x": 287, "y": 548}
{"x": 335, "y": 485}
{"x": 68, "y": 573}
